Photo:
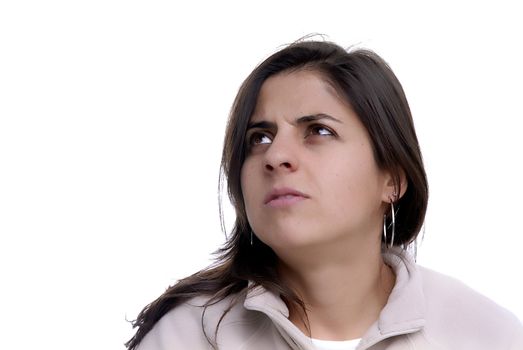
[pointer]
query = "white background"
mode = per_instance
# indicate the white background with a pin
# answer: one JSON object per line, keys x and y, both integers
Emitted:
{"x": 112, "y": 119}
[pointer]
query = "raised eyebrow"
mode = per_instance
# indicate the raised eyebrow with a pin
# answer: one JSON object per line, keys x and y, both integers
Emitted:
{"x": 315, "y": 117}
{"x": 301, "y": 120}
{"x": 261, "y": 125}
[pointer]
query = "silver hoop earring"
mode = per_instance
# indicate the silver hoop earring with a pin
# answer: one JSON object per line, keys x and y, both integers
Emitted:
{"x": 393, "y": 224}
{"x": 251, "y": 238}
{"x": 384, "y": 229}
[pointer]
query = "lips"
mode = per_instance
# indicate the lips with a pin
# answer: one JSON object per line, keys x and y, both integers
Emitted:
{"x": 283, "y": 196}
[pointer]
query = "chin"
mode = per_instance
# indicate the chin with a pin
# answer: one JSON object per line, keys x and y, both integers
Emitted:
{"x": 289, "y": 239}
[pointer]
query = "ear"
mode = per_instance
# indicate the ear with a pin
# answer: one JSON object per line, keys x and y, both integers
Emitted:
{"x": 394, "y": 189}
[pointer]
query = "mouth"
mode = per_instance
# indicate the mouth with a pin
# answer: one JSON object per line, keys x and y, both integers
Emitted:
{"x": 282, "y": 197}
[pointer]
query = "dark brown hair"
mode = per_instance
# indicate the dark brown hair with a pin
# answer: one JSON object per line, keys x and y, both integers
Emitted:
{"x": 367, "y": 83}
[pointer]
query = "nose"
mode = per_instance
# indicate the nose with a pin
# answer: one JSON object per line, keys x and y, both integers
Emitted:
{"x": 281, "y": 156}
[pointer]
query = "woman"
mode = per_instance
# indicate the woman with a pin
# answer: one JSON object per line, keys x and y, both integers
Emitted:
{"x": 324, "y": 170}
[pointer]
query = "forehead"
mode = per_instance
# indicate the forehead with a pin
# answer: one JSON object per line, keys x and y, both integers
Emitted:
{"x": 297, "y": 92}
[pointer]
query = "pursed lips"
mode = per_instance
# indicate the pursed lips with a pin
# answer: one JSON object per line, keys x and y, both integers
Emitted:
{"x": 282, "y": 197}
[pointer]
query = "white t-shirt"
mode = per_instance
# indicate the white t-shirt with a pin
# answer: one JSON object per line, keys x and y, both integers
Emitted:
{"x": 335, "y": 344}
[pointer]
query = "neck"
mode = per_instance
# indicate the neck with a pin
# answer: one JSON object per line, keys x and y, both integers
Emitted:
{"x": 343, "y": 293}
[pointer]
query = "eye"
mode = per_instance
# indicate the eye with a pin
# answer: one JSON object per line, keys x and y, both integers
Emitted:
{"x": 258, "y": 138}
{"x": 319, "y": 130}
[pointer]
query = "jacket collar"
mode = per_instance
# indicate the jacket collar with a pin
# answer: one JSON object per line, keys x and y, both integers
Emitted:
{"x": 404, "y": 312}
{"x": 405, "y": 309}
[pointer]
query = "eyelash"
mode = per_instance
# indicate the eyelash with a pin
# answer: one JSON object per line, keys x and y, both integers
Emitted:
{"x": 256, "y": 134}
{"x": 319, "y": 126}
{"x": 310, "y": 129}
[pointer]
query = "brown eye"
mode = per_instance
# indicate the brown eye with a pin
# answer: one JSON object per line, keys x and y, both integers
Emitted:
{"x": 320, "y": 130}
{"x": 259, "y": 138}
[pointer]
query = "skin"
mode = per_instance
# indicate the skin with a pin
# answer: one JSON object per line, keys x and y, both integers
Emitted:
{"x": 329, "y": 243}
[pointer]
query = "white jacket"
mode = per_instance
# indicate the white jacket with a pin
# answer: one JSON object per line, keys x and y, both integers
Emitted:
{"x": 425, "y": 311}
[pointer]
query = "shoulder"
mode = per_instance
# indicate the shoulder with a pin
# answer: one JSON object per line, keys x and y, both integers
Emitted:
{"x": 181, "y": 327}
{"x": 455, "y": 296}
{"x": 193, "y": 325}
{"x": 456, "y": 311}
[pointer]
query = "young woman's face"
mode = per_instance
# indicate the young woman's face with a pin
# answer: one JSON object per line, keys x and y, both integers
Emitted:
{"x": 309, "y": 177}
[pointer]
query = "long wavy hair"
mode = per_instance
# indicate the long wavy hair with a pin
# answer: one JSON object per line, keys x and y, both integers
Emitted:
{"x": 368, "y": 84}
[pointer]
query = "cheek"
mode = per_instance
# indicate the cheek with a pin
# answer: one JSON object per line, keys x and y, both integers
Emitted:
{"x": 354, "y": 183}
{"x": 244, "y": 185}
{"x": 247, "y": 182}
{"x": 242, "y": 179}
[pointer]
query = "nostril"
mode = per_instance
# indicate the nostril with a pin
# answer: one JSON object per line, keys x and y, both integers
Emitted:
{"x": 269, "y": 167}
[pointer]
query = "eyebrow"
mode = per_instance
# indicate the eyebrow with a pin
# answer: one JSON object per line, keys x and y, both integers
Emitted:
{"x": 300, "y": 120}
